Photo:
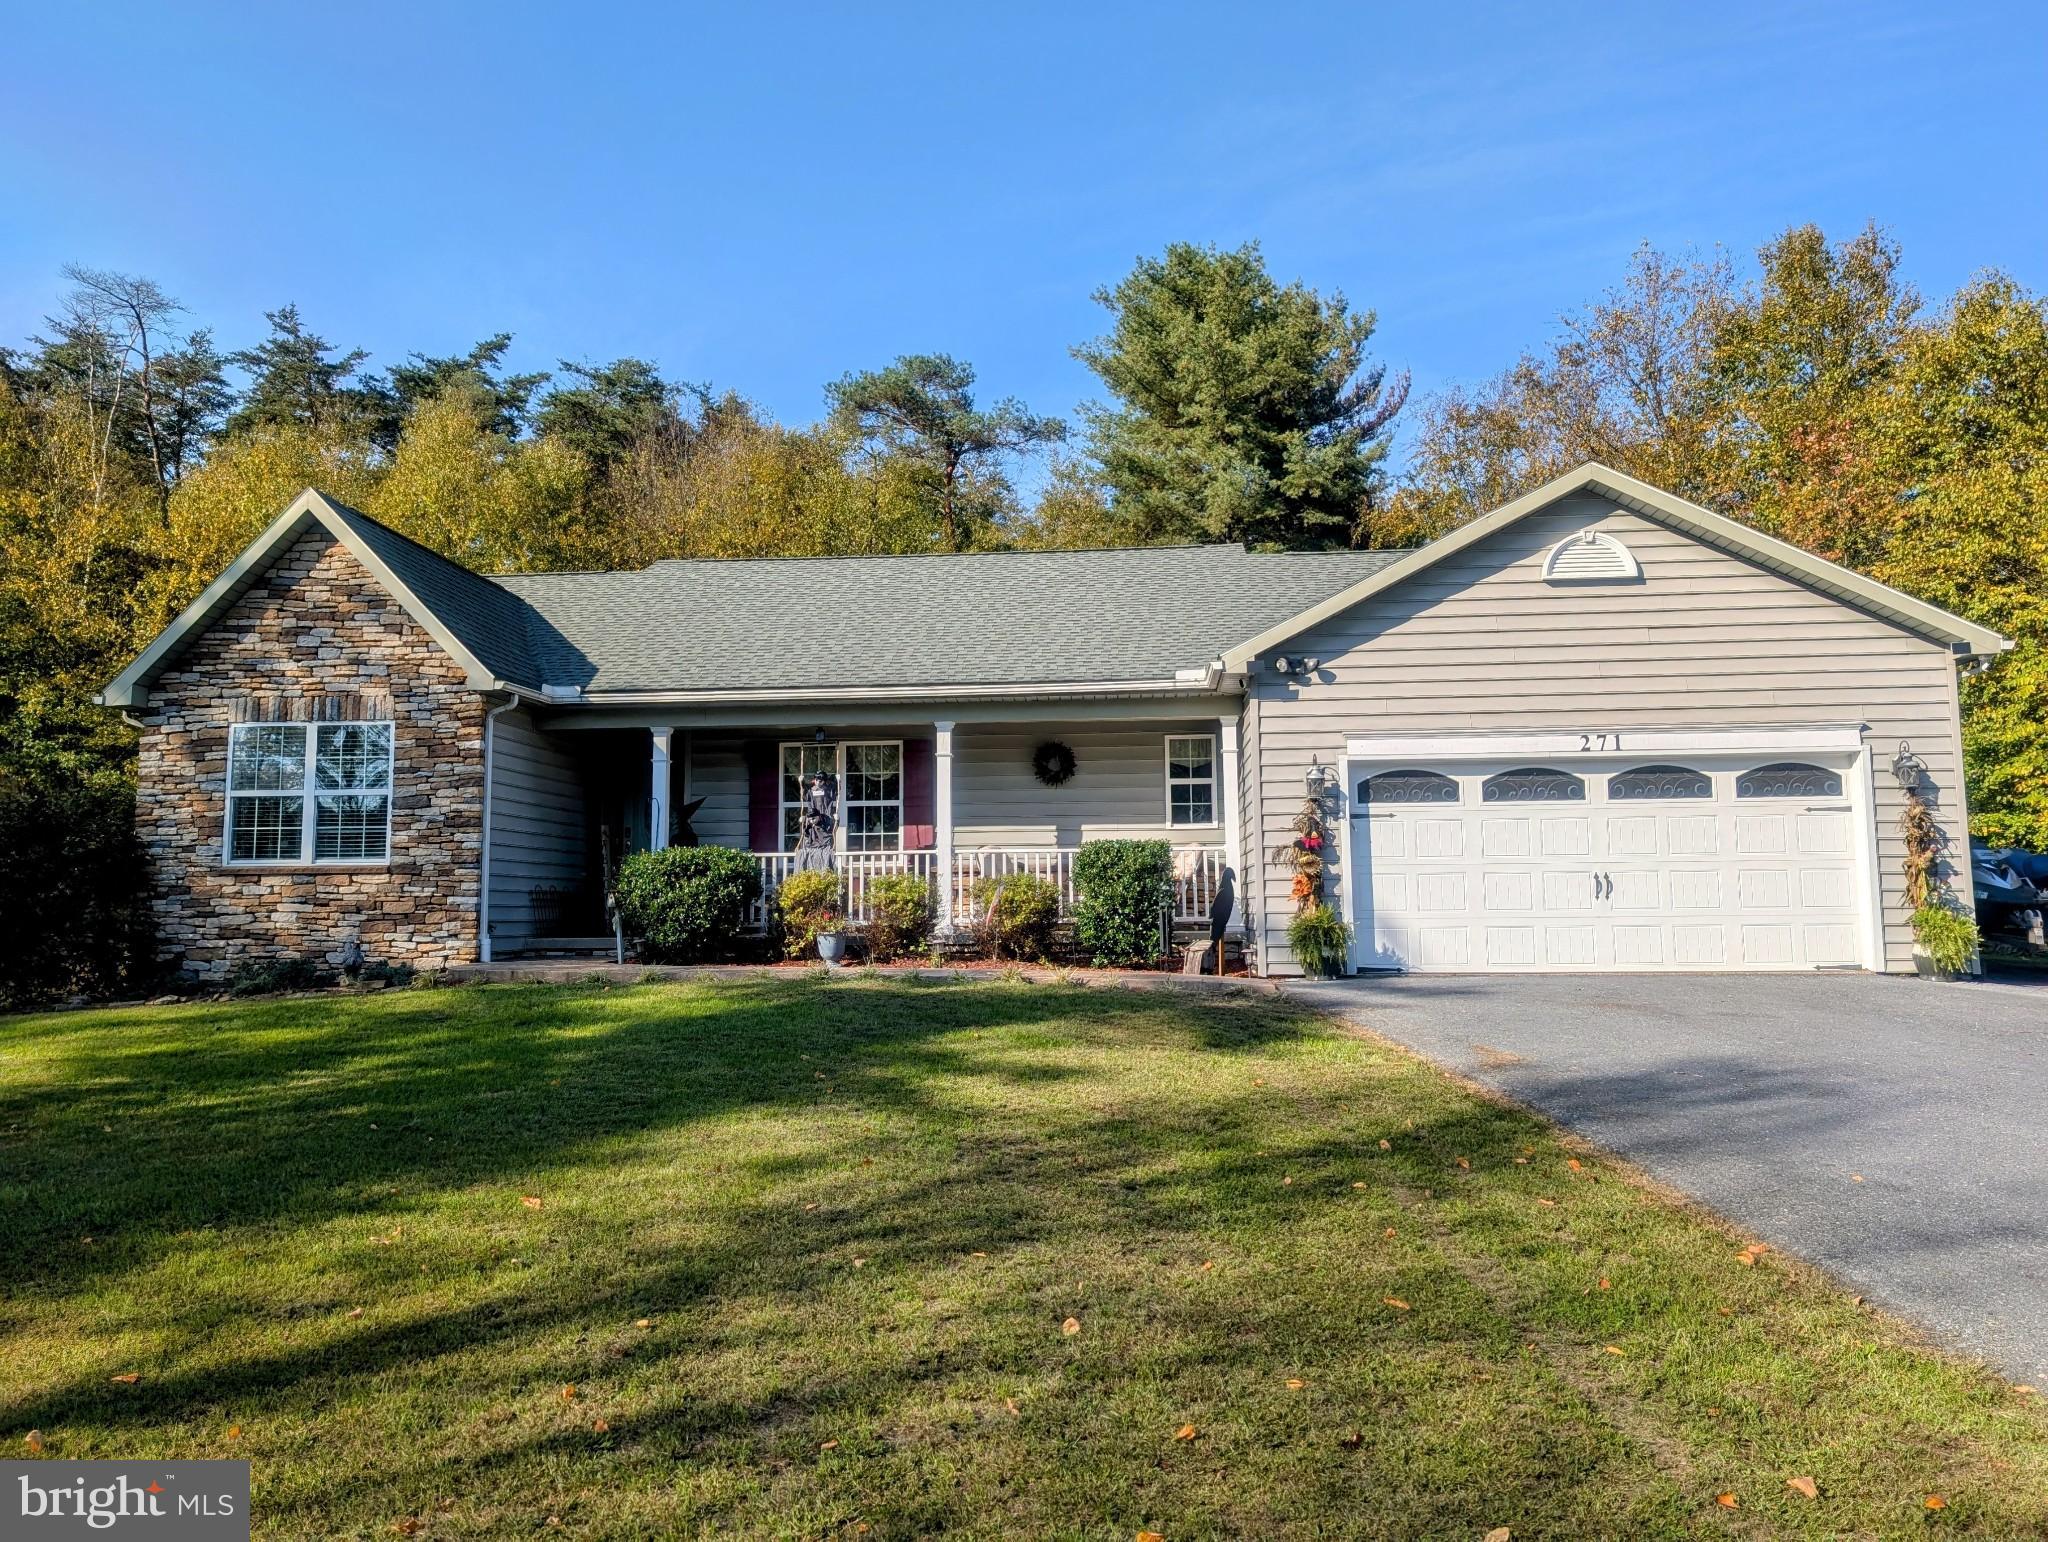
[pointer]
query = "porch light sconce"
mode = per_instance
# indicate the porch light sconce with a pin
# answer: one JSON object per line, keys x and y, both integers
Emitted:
{"x": 1320, "y": 779}
{"x": 1908, "y": 767}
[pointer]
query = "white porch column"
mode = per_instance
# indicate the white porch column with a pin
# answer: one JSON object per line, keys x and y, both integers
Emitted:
{"x": 1226, "y": 790}
{"x": 658, "y": 789}
{"x": 942, "y": 821}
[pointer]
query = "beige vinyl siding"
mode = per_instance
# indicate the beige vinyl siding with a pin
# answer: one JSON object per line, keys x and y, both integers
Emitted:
{"x": 718, "y": 774}
{"x": 1118, "y": 789}
{"x": 538, "y": 830}
{"x": 1706, "y": 639}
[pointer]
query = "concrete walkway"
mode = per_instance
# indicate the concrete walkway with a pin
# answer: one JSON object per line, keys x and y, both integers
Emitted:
{"x": 1890, "y": 1130}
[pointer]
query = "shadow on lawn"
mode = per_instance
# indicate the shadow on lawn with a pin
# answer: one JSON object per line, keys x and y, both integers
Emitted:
{"x": 303, "y": 1110}
{"x": 273, "y": 1124}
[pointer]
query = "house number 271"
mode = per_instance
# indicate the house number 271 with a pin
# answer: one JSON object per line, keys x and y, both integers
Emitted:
{"x": 1599, "y": 741}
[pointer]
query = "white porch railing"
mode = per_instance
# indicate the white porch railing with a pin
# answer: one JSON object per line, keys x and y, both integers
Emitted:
{"x": 1197, "y": 873}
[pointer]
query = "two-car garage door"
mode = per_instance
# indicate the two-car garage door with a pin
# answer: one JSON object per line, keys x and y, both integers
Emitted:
{"x": 1684, "y": 862}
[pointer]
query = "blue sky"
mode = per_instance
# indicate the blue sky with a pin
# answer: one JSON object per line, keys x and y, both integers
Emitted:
{"x": 765, "y": 197}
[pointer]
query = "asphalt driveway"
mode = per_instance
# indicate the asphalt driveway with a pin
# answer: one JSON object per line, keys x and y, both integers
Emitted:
{"x": 1893, "y": 1131}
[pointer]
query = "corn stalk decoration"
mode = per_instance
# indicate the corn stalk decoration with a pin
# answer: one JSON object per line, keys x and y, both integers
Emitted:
{"x": 1308, "y": 852}
{"x": 1925, "y": 843}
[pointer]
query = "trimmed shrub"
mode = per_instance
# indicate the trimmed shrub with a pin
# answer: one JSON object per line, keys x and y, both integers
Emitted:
{"x": 901, "y": 905}
{"x": 74, "y": 888}
{"x": 809, "y": 903}
{"x": 1016, "y": 915}
{"x": 1320, "y": 940}
{"x": 686, "y": 904}
{"x": 1120, "y": 888}
{"x": 1948, "y": 936}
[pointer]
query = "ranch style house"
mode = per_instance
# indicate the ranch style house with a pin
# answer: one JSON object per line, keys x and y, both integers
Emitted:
{"x": 1600, "y": 728}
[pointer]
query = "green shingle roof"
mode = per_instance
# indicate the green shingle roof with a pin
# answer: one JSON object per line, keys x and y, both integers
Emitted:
{"x": 491, "y": 622}
{"x": 995, "y": 618}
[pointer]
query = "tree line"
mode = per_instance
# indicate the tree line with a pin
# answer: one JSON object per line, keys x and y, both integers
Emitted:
{"x": 1812, "y": 394}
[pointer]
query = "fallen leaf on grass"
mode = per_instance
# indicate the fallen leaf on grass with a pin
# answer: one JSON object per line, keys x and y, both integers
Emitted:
{"x": 643, "y": 1322}
{"x": 1295, "y": 1383}
{"x": 1149, "y": 1536}
{"x": 569, "y": 1394}
{"x": 34, "y": 1441}
{"x": 1604, "y": 1285}
{"x": 1804, "y": 1486}
{"x": 356, "y": 1312}
{"x": 1727, "y": 1502}
{"x": 2023, "y": 1389}
{"x": 1548, "y": 1204}
{"x": 1286, "y": 1183}
{"x": 1071, "y": 1326}
{"x": 1498, "y": 1534}
{"x": 830, "y": 1445}
{"x": 531, "y": 1201}
{"x": 1572, "y": 1163}
{"x": 860, "y": 1263}
{"x": 1389, "y": 1232}
{"x": 1185, "y": 1432}
{"x": 1386, "y": 1145}
{"x": 1011, "y": 1404}
{"x": 406, "y": 1525}
{"x": 234, "y": 1432}
{"x": 1615, "y": 1349}
{"x": 1936, "y": 1502}
{"x": 601, "y": 1427}
{"x": 128, "y": 1378}
{"x": 1208, "y": 1264}
{"x": 977, "y": 1254}
{"x": 1396, "y": 1303}
{"x": 1465, "y": 1163}
{"x": 1358, "y": 1185}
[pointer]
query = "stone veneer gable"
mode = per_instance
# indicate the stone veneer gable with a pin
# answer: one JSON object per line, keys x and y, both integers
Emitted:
{"x": 316, "y": 638}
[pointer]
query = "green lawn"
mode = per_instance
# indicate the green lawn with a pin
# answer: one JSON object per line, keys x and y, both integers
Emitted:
{"x": 804, "y": 1253}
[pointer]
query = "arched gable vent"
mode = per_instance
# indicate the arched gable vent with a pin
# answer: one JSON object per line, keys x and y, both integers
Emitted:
{"x": 1590, "y": 557}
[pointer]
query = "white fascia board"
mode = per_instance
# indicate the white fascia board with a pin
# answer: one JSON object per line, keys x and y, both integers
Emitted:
{"x": 1964, "y": 637}
{"x": 912, "y": 693}
{"x": 130, "y": 687}
{"x": 127, "y": 689}
{"x": 1630, "y": 744}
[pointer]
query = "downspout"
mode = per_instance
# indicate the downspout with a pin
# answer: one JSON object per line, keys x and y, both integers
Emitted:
{"x": 483, "y": 896}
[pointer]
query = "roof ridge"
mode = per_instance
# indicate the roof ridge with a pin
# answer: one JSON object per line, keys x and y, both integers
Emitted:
{"x": 896, "y": 556}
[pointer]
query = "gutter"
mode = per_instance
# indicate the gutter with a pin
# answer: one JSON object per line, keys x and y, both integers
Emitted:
{"x": 1205, "y": 679}
{"x": 483, "y": 889}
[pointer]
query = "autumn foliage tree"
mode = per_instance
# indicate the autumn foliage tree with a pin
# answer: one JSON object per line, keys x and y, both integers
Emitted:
{"x": 1824, "y": 403}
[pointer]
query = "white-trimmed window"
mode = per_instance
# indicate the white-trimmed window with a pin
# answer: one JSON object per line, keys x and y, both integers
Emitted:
{"x": 309, "y": 792}
{"x": 869, "y": 776}
{"x": 1191, "y": 779}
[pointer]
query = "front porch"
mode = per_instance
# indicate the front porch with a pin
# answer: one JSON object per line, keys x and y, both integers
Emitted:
{"x": 1197, "y": 877}
{"x": 951, "y": 800}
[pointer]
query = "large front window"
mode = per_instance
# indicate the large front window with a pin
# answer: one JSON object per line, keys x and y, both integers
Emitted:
{"x": 869, "y": 777}
{"x": 309, "y": 792}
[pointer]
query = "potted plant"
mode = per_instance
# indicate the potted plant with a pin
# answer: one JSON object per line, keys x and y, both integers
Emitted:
{"x": 813, "y": 909}
{"x": 1946, "y": 940}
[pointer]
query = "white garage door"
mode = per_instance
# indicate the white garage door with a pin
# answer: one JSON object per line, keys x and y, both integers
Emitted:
{"x": 1700, "y": 863}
